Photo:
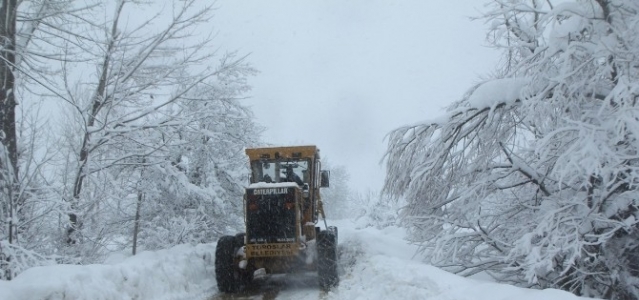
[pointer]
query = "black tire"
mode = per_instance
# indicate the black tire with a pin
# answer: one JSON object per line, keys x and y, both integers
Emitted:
{"x": 327, "y": 259}
{"x": 226, "y": 273}
{"x": 239, "y": 239}
{"x": 230, "y": 278}
{"x": 246, "y": 276}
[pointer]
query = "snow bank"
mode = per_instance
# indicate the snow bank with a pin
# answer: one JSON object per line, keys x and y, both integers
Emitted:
{"x": 166, "y": 274}
{"x": 383, "y": 277}
{"x": 374, "y": 264}
{"x": 379, "y": 264}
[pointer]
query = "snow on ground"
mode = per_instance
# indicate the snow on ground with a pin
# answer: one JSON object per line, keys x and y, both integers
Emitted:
{"x": 179, "y": 272}
{"x": 382, "y": 266}
{"x": 375, "y": 264}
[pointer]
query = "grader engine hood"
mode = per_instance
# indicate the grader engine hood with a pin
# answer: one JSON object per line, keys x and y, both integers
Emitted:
{"x": 272, "y": 216}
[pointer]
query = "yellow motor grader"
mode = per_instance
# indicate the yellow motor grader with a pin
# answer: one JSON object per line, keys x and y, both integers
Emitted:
{"x": 282, "y": 206}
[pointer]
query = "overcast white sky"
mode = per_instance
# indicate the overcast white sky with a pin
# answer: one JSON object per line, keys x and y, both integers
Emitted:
{"x": 341, "y": 74}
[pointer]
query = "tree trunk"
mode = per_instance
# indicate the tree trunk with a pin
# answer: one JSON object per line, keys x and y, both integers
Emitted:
{"x": 8, "y": 12}
{"x": 9, "y": 161}
{"x": 136, "y": 227}
{"x": 97, "y": 103}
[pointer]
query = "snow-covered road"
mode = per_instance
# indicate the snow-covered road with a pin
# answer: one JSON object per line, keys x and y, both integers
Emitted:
{"x": 375, "y": 264}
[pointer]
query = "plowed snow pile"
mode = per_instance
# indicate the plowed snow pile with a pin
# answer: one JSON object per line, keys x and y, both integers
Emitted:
{"x": 378, "y": 264}
{"x": 375, "y": 264}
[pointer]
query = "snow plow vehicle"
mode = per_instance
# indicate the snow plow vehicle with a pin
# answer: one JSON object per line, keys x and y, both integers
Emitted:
{"x": 282, "y": 206}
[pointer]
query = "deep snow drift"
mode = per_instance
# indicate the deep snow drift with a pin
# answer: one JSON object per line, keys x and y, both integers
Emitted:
{"x": 175, "y": 273}
{"x": 375, "y": 264}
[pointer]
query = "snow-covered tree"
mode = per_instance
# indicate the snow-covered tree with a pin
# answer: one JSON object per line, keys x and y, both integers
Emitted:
{"x": 194, "y": 190}
{"x": 151, "y": 138}
{"x": 8, "y": 147}
{"x": 27, "y": 31}
{"x": 157, "y": 131}
{"x": 336, "y": 197}
{"x": 372, "y": 209}
{"x": 532, "y": 176}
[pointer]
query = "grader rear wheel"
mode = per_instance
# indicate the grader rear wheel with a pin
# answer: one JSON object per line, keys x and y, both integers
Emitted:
{"x": 327, "y": 259}
{"x": 230, "y": 278}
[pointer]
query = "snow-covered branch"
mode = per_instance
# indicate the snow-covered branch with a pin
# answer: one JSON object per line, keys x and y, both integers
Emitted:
{"x": 549, "y": 153}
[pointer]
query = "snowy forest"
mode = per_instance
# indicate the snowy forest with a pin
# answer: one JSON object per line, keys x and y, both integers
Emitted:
{"x": 119, "y": 136}
{"x": 532, "y": 177}
{"x": 121, "y": 132}
{"x": 116, "y": 136}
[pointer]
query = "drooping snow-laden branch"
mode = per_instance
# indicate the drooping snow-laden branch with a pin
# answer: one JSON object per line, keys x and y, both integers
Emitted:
{"x": 556, "y": 166}
{"x": 557, "y": 170}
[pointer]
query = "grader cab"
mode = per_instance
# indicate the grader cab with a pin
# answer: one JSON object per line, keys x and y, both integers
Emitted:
{"x": 282, "y": 207}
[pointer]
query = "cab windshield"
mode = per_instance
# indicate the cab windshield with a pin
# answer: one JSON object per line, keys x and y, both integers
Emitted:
{"x": 270, "y": 171}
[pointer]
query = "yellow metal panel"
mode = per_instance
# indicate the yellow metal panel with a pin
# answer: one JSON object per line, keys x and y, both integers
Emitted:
{"x": 271, "y": 250}
{"x": 284, "y": 152}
